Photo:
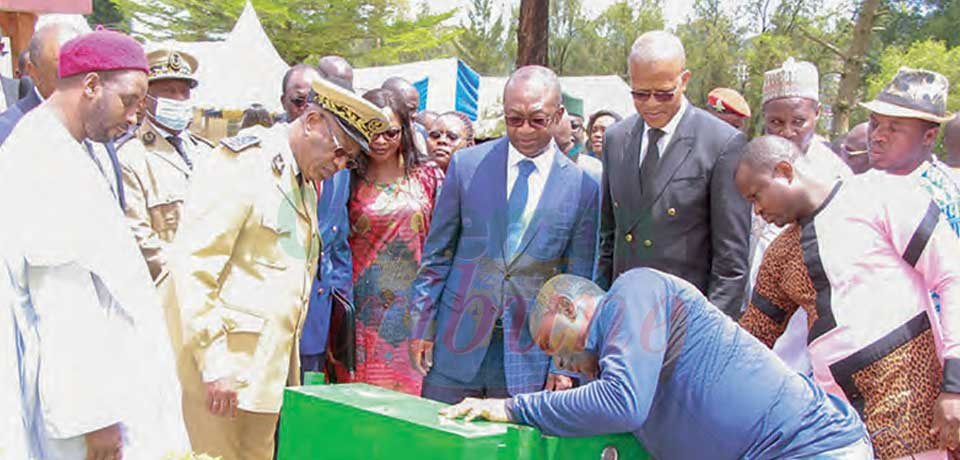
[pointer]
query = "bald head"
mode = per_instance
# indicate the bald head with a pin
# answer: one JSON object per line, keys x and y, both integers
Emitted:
{"x": 43, "y": 55}
{"x": 658, "y": 46}
{"x": 409, "y": 93}
{"x": 296, "y": 88}
{"x": 766, "y": 152}
{"x": 534, "y": 78}
{"x": 337, "y": 70}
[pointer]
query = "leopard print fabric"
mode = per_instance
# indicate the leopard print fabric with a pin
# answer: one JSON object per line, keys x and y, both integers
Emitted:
{"x": 899, "y": 392}
{"x": 784, "y": 280}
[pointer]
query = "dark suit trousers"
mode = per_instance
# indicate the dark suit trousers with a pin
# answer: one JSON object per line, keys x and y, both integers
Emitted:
{"x": 490, "y": 381}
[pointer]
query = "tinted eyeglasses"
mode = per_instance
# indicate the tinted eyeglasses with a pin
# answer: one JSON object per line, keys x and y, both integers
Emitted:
{"x": 339, "y": 151}
{"x": 437, "y": 134}
{"x": 643, "y": 95}
{"x": 390, "y": 135}
{"x": 299, "y": 101}
{"x": 535, "y": 122}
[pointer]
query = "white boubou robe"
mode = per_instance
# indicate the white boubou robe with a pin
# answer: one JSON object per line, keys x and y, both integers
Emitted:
{"x": 94, "y": 349}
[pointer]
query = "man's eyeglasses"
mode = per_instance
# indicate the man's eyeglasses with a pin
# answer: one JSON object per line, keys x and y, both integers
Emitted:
{"x": 575, "y": 125}
{"x": 643, "y": 95}
{"x": 299, "y": 101}
{"x": 437, "y": 134}
{"x": 535, "y": 122}
{"x": 390, "y": 135}
{"x": 339, "y": 151}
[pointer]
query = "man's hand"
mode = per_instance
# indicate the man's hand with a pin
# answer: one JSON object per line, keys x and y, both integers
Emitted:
{"x": 421, "y": 355}
{"x": 946, "y": 421}
{"x": 494, "y": 410}
{"x": 557, "y": 382}
{"x": 222, "y": 398}
{"x": 104, "y": 444}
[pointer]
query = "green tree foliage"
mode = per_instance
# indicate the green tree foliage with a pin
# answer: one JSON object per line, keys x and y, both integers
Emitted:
{"x": 107, "y": 14}
{"x": 482, "y": 45}
{"x": 368, "y": 32}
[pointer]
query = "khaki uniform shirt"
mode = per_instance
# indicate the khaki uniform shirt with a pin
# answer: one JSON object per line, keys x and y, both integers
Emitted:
{"x": 156, "y": 179}
{"x": 244, "y": 260}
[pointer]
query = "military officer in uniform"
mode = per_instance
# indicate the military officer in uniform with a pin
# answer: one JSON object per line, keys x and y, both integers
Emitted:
{"x": 158, "y": 160}
{"x": 244, "y": 260}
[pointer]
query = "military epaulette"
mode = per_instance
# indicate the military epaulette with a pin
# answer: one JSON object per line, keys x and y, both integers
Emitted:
{"x": 240, "y": 143}
{"x": 203, "y": 140}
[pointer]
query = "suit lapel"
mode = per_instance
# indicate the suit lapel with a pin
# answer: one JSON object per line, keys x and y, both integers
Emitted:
{"x": 496, "y": 170}
{"x": 631, "y": 167}
{"x": 675, "y": 153}
{"x": 558, "y": 177}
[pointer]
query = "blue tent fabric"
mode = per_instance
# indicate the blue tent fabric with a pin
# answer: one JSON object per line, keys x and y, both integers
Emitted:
{"x": 468, "y": 90}
{"x": 422, "y": 88}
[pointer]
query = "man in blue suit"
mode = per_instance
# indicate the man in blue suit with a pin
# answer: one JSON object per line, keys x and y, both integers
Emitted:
{"x": 43, "y": 56}
{"x": 512, "y": 214}
{"x": 335, "y": 268}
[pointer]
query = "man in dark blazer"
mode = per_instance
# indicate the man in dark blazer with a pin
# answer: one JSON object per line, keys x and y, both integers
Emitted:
{"x": 669, "y": 199}
{"x": 512, "y": 213}
{"x": 43, "y": 53}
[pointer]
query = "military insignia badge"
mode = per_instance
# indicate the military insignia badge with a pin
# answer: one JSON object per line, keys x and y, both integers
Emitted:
{"x": 238, "y": 144}
{"x": 149, "y": 138}
{"x": 277, "y": 164}
{"x": 176, "y": 62}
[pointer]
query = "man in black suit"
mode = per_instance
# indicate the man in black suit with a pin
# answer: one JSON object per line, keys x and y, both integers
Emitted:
{"x": 669, "y": 199}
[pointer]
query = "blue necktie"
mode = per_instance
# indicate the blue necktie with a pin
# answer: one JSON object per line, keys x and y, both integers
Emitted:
{"x": 516, "y": 205}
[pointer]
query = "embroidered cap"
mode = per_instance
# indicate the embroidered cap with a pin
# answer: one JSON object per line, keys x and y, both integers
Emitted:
{"x": 360, "y": 118}
{"x": 913, "y": 93}
{"x": 168, "y": 63}
{"x": 792, "y": 79}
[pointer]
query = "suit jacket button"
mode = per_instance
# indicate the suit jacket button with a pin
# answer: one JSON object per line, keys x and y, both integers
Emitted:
{"x": 506, "y": 277}
{"x": 629, "y": 237}
{"x": 616, "y": 204}
{"x": 319, "y": 291}
{"x": 672, "y": 212}
{"x": 334, "y": 228}
{"x": 647, "y": 243}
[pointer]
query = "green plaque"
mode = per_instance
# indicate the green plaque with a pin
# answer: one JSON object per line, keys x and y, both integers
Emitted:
{"x": 363, "y": 422}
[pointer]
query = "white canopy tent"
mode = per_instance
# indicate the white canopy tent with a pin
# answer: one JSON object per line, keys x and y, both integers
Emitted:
{"x": 239, "y": 71}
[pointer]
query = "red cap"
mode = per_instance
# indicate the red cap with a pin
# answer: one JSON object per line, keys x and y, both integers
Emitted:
{"x": 728, "y": 100}
{"x": 101, "y": 50}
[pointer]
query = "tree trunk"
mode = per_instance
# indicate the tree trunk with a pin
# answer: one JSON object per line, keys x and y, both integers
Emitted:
{"x": 852, "y": 66}
{"x": 533, "y": 33}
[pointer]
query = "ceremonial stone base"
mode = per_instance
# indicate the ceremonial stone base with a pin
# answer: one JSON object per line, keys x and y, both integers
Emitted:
{"x": 363, "y": 422}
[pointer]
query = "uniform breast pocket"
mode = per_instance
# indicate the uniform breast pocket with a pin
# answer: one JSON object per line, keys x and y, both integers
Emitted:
{"x": 243, "y": 330}
{"x": 687, "y": 190}
{"x": 272, "y": 241}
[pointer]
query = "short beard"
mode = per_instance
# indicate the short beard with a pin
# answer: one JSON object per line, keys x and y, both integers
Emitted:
{"x": 98, "y": 129}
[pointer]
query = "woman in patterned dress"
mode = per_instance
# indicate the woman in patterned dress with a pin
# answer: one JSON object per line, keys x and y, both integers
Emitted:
{"x": 391, "y": 203}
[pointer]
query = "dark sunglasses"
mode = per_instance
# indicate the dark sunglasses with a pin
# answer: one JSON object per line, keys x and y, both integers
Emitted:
{"x": 436, "y": 135}
{"x": 391, "y": 134}
{"x": 643, "y": 95}
{"x": 536, "y": 122}
{"x": 661, "y": 96}
{"x": 299, "y": 101}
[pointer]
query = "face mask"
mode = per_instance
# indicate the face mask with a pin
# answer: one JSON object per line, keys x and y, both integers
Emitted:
{"x": 172, "y": 113}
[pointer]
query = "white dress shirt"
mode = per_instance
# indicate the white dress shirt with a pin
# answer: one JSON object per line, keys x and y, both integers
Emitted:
{"x": 669, "y": 130}
{"x": 537, "y": 179}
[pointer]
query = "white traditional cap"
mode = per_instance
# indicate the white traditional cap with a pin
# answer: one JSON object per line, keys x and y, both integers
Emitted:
{"x": 792, "y": 79}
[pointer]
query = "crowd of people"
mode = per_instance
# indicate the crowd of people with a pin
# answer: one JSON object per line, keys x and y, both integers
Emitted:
{"x": 660, "y": 274}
